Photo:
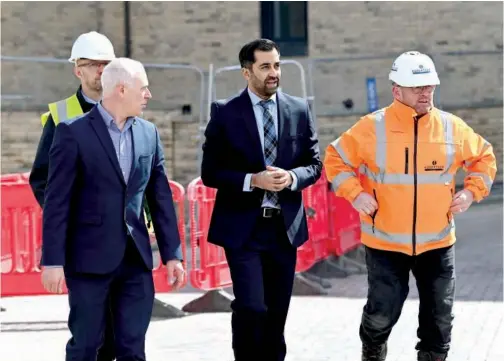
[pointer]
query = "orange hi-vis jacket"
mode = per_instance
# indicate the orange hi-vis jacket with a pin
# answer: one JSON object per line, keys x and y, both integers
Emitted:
{"x": 408, "y": 163}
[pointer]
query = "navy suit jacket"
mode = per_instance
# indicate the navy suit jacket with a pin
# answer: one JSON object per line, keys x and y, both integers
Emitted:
{"x": 89, "y": 208}
{"x": 232, "y": 149}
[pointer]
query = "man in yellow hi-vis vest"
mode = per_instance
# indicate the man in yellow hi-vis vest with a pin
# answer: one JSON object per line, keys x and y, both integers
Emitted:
{"x": 90, "y": 53}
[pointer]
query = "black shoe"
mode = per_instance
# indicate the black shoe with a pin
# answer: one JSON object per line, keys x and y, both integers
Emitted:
{"x": 374, "y": 352}
{"x": 431, "y": 356}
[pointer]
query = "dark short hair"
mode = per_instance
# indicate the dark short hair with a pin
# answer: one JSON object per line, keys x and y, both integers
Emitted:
{"x": 246, "y": 55}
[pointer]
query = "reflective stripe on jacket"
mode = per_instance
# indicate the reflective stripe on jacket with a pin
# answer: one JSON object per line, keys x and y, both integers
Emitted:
{"x": 64, "y": 109}
{"x": 408, "y": 163}
{"x": 70, "y": 108}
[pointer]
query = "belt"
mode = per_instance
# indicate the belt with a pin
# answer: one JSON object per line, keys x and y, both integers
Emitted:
{"x": 270, "y": 212}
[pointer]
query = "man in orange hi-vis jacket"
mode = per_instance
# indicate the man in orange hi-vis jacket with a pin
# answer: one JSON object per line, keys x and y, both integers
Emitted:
{"x": 408, "y": 154}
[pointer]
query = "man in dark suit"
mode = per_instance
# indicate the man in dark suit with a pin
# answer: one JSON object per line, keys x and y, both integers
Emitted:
{"x": 90, "y": 53}
{"x": 260, "y": 152}
{"x": 94, "y": 233}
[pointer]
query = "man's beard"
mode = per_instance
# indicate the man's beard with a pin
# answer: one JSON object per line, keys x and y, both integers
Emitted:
{"x": 271, "y": 91}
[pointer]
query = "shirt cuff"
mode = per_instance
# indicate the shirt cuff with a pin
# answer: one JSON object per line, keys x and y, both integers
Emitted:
{"x": 293, "y": 186}
{"x": 246, "y": 183}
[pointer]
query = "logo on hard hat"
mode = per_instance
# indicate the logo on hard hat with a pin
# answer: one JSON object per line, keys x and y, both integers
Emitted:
{"x": 394, "y": 67}
{"x": 421, "y": 70}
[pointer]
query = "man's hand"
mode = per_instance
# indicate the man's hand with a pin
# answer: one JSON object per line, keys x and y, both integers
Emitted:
{"x": 364, "y": 203}
{"x": 176, "y": 273}
{"x": 461, "y": 201}
{"x": 272, "y": 179}
{"x": 53, "y": 279}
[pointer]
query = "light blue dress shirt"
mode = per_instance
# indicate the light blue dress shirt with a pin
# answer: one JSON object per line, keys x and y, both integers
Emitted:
{"x": 122, "y": 141}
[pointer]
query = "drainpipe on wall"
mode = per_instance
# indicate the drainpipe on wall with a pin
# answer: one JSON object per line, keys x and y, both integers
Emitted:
{"x": 127, "y": 30}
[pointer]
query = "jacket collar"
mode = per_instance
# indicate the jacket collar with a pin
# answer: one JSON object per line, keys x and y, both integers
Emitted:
{"x": 404, "y": 112}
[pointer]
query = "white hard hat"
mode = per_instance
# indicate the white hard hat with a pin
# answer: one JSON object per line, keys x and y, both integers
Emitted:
{"x": 93, "y": 46}
{"x": 412, "y": 69}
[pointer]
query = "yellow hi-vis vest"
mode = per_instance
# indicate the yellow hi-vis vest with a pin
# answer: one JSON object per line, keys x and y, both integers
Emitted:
{"x": 70, "y": 108}
{"x": 64, "y": 109}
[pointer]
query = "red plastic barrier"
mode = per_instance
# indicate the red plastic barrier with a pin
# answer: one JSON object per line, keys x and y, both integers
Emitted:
{"x": 209, "y": 268}
{"x": 315, "y": 249}
{"x": 344, "y": 225}
{"x": 22, "y": 239}
{"x": 14, "y": 178}
{"x": 160, "y": 273}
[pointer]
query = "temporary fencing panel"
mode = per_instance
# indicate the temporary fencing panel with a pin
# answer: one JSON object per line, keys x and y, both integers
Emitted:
{"x": 22, "y": 239}
{"x": 316, "y": 206}
{"x": 209, "y": 268}
{"x": 14, "y": 178}
{"x": 160, "y": 273}
{"x": 344, "y": 225}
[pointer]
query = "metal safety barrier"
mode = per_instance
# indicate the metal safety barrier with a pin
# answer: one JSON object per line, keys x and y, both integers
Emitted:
{"x": 55, "y": 80}
{"x": 356, "y": 85}
{"x": 213, "y": 73}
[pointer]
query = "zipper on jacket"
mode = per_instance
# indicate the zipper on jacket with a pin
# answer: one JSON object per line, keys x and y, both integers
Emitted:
{"x": 375, "y": 212}
{"x": 406, "y": 160}
{"x": 415, "y": 181}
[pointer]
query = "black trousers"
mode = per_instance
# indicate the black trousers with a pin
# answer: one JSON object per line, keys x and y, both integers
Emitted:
{"x": 263, "y": 275}
{"x": 388, "y": 276}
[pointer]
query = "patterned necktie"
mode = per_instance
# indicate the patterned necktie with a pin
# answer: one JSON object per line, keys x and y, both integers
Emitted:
{"x": 270, "y": 145}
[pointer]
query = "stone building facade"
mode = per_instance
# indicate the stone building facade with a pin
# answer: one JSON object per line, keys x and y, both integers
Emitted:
{"x": 367, "y": 34}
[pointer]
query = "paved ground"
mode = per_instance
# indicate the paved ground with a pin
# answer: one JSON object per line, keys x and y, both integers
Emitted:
{"x": 319, "y": 328}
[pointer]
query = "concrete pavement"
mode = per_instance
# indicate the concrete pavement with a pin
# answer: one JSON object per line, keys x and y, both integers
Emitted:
{"x": 319, "y": 328}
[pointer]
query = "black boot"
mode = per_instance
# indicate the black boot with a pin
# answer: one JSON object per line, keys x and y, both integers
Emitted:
{"x": 431, "y": 356}
{"x": 374, "y": 352}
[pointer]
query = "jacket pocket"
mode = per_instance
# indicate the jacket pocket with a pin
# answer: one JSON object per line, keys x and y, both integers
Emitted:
{"x": 373, "y": 216}
{"x": 406, "y": 160}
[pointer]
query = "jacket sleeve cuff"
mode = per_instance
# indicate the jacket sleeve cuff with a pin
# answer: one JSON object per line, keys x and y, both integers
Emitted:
{"x": 478, "y": 195}
{"x": 353, "y": 194}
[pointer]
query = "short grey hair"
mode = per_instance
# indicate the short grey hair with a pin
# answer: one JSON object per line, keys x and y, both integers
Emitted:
{"x": 120, "y": 71}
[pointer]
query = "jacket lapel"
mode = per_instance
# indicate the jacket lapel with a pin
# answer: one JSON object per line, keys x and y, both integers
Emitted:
{"x": 101, "y": 131}
{"x": 283, "y": 126}
{"x": 251, "y": 124}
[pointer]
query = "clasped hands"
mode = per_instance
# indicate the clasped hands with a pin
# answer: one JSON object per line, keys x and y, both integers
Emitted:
{"x": 272, "y": 179}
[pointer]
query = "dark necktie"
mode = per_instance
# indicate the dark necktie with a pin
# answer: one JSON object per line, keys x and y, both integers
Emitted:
{"x": 270, "y": 145}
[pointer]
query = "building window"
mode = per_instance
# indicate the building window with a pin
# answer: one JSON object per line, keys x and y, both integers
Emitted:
{"x": 286, "y": 23}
